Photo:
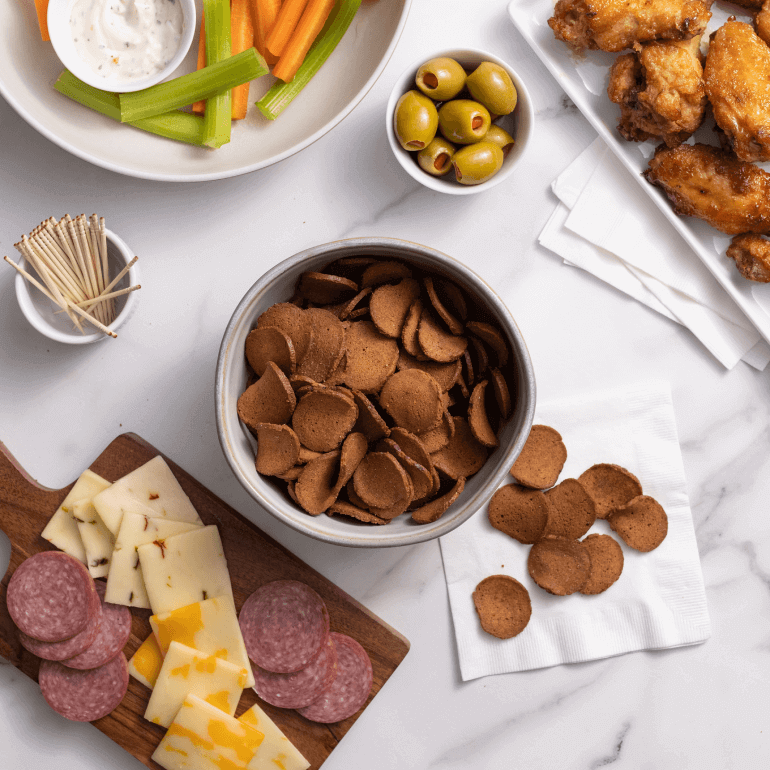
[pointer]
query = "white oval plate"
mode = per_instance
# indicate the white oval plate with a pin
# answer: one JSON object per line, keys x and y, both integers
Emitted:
{"x": 29, "y": 68}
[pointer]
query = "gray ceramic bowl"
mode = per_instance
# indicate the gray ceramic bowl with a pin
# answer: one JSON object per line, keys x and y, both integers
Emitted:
{"x": 277, "y": 285}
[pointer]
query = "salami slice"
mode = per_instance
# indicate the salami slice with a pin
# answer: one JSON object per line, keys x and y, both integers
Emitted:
{"x": 285, "y": 624}
{"x": 49, "y": 596}
{"x": 293, "y": 691}
{"x": 72, "y": 646}
{"x": 111, "y": 639}
{"x": 84, "y": 696}
{"x": 350, "y": 688}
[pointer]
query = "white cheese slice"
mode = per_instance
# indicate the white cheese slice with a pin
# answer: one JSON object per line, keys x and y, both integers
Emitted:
{"x": 210, "y": 627}
{"x": 276, "y": 750}
{"x": 125, "y": 583}
{"x": 203, "y": 738}
{"x": 62, "y": 529}
{"x": 185, "y": 569}
{"x": 188, "y": 672}
{"x": 146, "y": 662}
{"x": 152, "y": 490}
{"x": 97, "y": 539}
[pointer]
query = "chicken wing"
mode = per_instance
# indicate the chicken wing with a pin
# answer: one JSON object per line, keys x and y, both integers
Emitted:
{"x": 737, "y": 79}
{"x": 762, "y": 22}
{"x": 713, "y": 185}
{"x": 660, "y": 91}
{"x": 614, "y": 25}
{"x": 752, "y": 257}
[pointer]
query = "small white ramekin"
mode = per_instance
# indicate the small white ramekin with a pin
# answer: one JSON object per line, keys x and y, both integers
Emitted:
{"x": 518, "y": 124}
{"x": 63, "y": 44}
{"x": 44, "y": 315}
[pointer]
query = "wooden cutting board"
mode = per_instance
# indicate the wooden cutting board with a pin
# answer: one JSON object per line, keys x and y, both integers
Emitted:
{"x": 253, "y": 559}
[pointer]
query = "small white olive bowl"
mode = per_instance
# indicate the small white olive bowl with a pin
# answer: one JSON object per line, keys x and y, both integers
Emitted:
{"x": 59, "y": 28}
{"x": 518, "y": 124}
{"x": 44, "y": 316}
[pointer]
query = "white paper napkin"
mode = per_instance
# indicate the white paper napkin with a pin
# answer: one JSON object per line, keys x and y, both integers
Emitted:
{"x": 605, "y": 225}
{"x": 659, "y": 600}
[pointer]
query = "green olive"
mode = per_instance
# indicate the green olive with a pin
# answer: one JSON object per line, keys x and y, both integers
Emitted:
{"x": 477, "y": 163}
{"x": 415, "y": 121}
{"x": 436, "y": 158}
{"x": 501, "y": 138}
{"x": 441, "y": 78}
{"x": 491, "y": 85}
{"x": 463, "y": 121}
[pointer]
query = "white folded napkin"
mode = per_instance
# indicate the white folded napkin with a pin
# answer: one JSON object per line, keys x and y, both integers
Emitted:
{"x": 607, "y": 226}
{"x": 659, "y": 600}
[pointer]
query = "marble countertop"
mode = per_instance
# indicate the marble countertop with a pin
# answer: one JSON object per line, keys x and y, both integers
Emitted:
{"x": 203, "y": 245}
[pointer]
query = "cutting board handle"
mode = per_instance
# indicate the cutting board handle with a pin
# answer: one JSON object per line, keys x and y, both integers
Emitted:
{"x": 25, "y": 507}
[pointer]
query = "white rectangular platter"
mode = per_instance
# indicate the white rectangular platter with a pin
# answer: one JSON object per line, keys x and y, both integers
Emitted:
{"x": 584, "y": 79}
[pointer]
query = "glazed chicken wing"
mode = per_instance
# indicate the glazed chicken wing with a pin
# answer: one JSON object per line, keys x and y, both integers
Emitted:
{"x": 614, "y": 25}
{"x": 762, "y": 22}
{"x": 660, "y": 91}
{"x": 752, "y": 257}
{"x": 711, "y": 184}
{"x": 737, "y": 78}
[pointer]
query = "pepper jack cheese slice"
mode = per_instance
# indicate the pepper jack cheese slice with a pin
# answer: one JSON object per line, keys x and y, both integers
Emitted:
{"x": 125, "y": 583}
{"x": 185, "y": 569}
{"x": 203, "y": 738}
{"x": 62, "y": 529}
{"x": 276, "y": 752}
{"x": 186, "y": 671}
{"x": 97, "y": 539}
{"x": 146, "y": 662}
{"x": 152, "y": 490}
{"x": 210, "y": 627}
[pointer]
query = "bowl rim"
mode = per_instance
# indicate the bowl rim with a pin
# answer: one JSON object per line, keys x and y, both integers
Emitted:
{"x": 34, "y": 318}
{"x": 58, "y": 31}
{"x": 443, "y": 184}
{"x": 119, "y": 168}
{"x": 365, "y": 245}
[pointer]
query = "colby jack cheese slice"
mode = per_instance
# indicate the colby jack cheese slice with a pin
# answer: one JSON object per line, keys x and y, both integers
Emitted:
{"x": 146, "y": 662}
{"x": 204, "y": 738}
{"x": 186, "y": 671}
{"x": 152, "y": 489}
{"x": 97, "y": 539}
{"x": 211, "y": 627}
{"x": 276, "y": 750}
{"x": 125, "y": 584}
{"x": 62, "y": 530}
{"x": 185, "y": 569}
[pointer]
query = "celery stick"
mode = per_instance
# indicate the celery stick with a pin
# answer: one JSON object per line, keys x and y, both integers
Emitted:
{"x": 217, "y": 118}
{"x": 101, "y": 101}
{"x": 278, "y": 98}
{"x": 173, "y": 125}
{"x": 203, "y": 84}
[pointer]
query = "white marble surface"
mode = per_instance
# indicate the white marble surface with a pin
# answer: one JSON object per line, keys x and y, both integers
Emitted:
{"x": 203, "y": 245}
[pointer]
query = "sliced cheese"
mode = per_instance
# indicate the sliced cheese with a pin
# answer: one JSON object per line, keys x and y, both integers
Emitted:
{"x": 203, "y": 738}
{"x": 62, "y": 529}
{"x": 276, "y": 752}
{"x": 185, "y": 569}
{"x": 97, "y": 539}
{"x": 188, "y": 672}
{"x": 125, "y": 583}
{"x": 146, "y": 662}
{"x": 210, "y": 627}
{"x": 152, "y": 490}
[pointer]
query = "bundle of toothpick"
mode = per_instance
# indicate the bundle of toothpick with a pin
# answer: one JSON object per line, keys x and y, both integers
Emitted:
{"x": 70, "y": 256}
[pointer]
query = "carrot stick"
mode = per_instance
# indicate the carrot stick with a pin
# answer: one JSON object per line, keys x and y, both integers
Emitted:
{"x": 264, "y": 14}
{"x": 308, "y": 29}
{"x": 241, "y": 38}
{"x": 200, "y": 107}
{"x": 41, "y": 6}
{"x": 285, "y": 24}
